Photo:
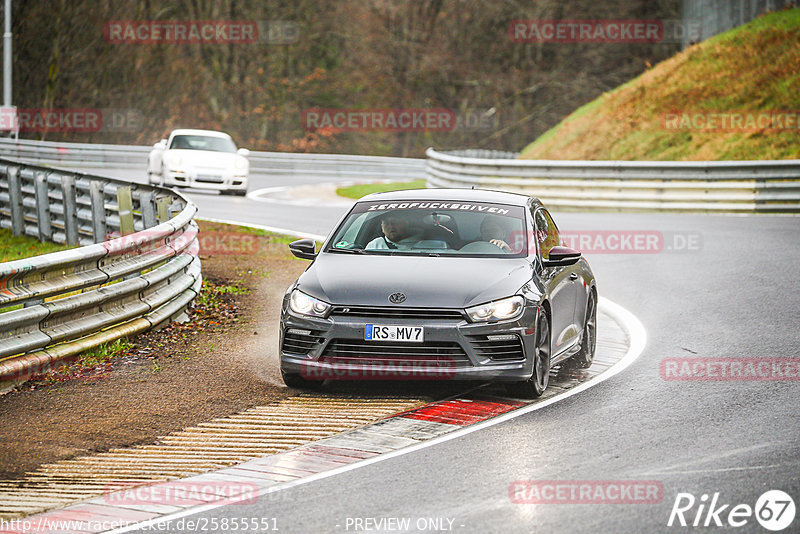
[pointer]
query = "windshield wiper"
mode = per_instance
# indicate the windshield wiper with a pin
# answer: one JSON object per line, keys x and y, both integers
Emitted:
{"x": 349, "y": 250}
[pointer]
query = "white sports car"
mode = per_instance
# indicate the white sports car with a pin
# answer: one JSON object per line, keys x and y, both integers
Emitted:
{"x": 202, "y": 159}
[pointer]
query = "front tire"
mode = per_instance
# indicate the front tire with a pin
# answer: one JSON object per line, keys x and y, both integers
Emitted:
{"x": 537, "y": 383}
{"x": 295, "y": 381}
{"x": 584, "y": 358}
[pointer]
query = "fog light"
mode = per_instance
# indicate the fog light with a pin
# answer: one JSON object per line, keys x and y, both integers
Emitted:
{"x": 502, "y": 337}
{"x": 299, "y": 332}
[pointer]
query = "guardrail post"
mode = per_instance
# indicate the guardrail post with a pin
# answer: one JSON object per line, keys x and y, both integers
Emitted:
{"x": 43, "y": 208}
{"x": 70, "y": 215}
{"x": 148, "y": 205}
{"x": 15, "y": 197}
{"x": 162, "y": 207}
{"x": 125, "y": 207}
{"x": 98, "y": 210}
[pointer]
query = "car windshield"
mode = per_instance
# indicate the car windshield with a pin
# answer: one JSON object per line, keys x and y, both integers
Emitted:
{"x": 452, "y": 228}
{"x": 202, "y": 142}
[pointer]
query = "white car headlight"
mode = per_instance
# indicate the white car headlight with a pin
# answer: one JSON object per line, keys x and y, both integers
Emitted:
{"x": 303, "y": 304}
{"x": 175, "y": 159}
{"x": 498, "y": 310}
{"x": 241, "y": 163}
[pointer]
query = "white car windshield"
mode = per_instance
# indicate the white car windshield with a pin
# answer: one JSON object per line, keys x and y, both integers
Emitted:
{"x": 432, "y": 227}
{"x": 202, "y": 142}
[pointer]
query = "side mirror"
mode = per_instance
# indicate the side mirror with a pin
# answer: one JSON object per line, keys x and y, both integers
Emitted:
{"x": 243, "y": 152}
{"x": 161, "y": 144}
{"x": 561, "y": 256}
{"x": 305, "y": 249}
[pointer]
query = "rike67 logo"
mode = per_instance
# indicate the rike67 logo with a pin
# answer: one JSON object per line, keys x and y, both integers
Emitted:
{"x": 774, "y": 510}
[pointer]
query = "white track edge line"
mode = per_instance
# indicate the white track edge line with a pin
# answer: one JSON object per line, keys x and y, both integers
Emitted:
{"x": 629, "y": 322}
{"x": 275, "y": 229}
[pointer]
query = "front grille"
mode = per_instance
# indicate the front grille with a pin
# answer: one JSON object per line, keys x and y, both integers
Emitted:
{"x": 499, "y": 350}
{"x": 356, "y": 351}
{"x": 377, "y": 312}
{"x": 300, "y": 341}
{"x": 207, "y": 178}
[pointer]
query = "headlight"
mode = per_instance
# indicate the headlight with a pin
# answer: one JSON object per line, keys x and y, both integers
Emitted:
{"x": 175, "y": 159}
{"x": 241, "y": 163}
{"x": 499, "y": 310}
{"x": 303, "y": 304}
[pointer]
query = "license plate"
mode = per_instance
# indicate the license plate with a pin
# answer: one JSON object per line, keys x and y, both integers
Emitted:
{"x": 407, "y": 334}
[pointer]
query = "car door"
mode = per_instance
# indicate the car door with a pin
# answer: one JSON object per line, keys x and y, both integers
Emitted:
{"x": 561, "y": 282}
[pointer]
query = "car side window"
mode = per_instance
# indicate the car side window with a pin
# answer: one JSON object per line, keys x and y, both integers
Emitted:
{"x": 546, "y": 232}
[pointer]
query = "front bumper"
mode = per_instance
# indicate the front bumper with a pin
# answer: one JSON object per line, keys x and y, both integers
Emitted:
{"x": 212, "y": 180}
{"x": 453, "y": 349}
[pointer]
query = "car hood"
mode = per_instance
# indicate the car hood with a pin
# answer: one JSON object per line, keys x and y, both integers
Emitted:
{"x": 205, "y": 158}
{"x": 427, "y": 282}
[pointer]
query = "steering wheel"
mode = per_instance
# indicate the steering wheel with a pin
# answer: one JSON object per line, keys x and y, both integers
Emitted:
{"x": 480, "y": 247}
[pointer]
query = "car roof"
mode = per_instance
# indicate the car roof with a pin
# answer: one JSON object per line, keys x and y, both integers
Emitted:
{"x": 460, "y": 195}
{"x": 210, "y": 133}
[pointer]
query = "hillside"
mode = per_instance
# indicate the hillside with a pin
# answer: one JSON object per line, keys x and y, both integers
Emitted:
{"x": 735, "y": 96}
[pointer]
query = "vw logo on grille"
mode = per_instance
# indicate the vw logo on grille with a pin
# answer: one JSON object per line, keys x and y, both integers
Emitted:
{"x": 397, "y": 298}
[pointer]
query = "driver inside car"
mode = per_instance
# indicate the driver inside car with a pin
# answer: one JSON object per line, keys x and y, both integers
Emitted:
{"x": 495, "y": 233}
{"x": 398, "y": 233}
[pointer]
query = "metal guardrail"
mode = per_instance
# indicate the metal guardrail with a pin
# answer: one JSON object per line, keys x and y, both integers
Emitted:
{"x": 691, "y": 186}
{"x": 135, "y": 157}
{"x": 139, "y": 267}
{"x": 712, "y": 18}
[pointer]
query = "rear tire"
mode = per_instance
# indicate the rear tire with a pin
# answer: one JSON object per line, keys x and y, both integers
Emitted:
{"x": 584, "y": 358}
{"x": 537, "y": 383}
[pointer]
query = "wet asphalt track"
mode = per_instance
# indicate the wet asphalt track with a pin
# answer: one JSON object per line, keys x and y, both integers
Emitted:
{"x": 737, "y": 296}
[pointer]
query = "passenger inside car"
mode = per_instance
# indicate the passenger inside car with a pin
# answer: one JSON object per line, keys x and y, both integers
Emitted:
{"x": 398, "y": 233}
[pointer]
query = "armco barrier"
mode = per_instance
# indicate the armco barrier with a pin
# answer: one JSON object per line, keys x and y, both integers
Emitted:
{"x": 138, "y": 268}
{"x": 688, "y": 186}
{"x": 135, "y": 157}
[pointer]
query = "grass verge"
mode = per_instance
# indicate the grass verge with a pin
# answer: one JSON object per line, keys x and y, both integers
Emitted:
{"x": 360, "y": 190}
{"x": 17, "y": 247}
